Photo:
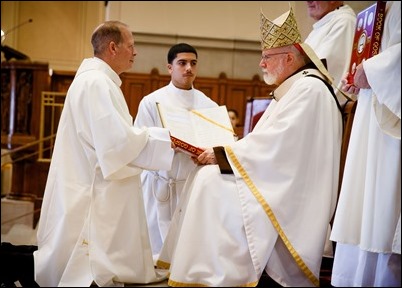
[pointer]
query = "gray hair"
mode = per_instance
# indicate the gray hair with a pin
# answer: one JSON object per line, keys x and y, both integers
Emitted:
{"x": 105, "y": 33}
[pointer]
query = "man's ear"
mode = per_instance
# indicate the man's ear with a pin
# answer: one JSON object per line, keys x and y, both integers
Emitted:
{"x": 290, "y": 57}
{"x": 112, "y": 48}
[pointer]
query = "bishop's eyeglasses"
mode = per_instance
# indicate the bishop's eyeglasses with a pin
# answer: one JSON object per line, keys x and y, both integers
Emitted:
{"x": 266, "y": 57}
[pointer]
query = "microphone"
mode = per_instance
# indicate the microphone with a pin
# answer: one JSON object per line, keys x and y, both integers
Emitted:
{"x": 9, "y": 52}
{"x": 17, "y": 26}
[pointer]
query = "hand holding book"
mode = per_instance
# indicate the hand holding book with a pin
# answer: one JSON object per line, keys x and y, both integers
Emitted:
{"x": 348, "y": 86}
{"x": 360, "y": 78}
{"x": 359, "y": 81}
{"x": 193, "y": 129}
{"x": 205, "y": 158}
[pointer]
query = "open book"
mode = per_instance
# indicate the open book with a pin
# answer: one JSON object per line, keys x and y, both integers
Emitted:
{"x": 192, "y": 130}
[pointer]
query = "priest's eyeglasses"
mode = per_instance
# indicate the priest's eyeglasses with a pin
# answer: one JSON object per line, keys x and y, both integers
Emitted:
{"x": 266, "y": 57}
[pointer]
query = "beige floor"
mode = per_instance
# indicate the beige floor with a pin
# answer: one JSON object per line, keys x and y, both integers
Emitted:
{"x": 17, "y": 228}
{"x": 17, "y": 222}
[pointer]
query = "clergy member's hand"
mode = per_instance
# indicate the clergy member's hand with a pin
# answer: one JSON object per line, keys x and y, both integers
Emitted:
{"x": 349, "y": 87}
{"x": 360, "y": 78}
{"x": 206, "y": 157}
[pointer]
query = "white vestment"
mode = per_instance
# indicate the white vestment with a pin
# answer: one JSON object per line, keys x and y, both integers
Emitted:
{"x": 162, "y": 189}
{"x": 221, "y": 234}
{"x": 332, "y": 38}
{"x": 92, "y": 225}
{"x": 367, "y": 221}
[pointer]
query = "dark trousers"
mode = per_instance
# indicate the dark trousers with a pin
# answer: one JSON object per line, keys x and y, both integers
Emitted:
{"x": 17, "y": 264}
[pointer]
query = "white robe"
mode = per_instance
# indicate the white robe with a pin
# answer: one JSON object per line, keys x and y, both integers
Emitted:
{"x": 332, "y": 38}
{"x": 367, "y": 221}
{"x": 92, "y": 225}
{"x": 221, "y": 235}
{"x": 162, "y": 189}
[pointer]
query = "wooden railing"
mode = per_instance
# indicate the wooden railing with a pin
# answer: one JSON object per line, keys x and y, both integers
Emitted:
{"x": 52, "y": 104}
{"x": 36, "y": 155}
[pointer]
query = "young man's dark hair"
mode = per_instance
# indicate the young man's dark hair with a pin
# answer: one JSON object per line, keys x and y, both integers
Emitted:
{"x": 180, "y": 48}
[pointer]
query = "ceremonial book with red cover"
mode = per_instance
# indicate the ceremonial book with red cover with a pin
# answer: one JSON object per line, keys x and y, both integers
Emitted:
{"x": 367, "y": 40}
{"x": 193, "y": 130}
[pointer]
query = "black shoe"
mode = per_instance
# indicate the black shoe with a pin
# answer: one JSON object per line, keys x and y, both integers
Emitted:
{"x": 17, "y": 264}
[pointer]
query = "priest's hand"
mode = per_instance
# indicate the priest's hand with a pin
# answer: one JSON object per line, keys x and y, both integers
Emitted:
{"x": 349, "y": 88}
{"x": 348, "y": 85}
{"x": 360, "y": 78}
{"x": 205, "y": 158}
{"x": 359, "y": 81}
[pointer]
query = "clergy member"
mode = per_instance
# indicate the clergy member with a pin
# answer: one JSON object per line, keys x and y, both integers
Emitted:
{"x": 264, "y": 202}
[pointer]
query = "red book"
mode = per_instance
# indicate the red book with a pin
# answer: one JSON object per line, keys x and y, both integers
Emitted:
{"x": 367, "y": 40}
{"x": 186, "y": 147}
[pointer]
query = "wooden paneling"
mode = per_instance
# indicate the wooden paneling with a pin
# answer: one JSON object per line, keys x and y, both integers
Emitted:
{"x": 209, "y": 87}
{"x": 136, "y": 85}
{"x": 61, "y": 80}
{"x": 230, "y": 92}
{"x": 21, "y": 85}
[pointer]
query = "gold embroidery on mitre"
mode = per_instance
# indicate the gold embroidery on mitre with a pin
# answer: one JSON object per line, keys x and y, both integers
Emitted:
{"x": 281, "y": 32}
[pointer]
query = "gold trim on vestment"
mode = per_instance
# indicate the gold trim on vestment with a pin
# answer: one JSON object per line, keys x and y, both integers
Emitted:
{"x": 271, "y": 216}
{"x": 162, "y": 265}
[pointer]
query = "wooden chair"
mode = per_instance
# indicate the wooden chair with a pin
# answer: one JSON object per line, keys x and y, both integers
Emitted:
{"x": 255, "y": 107}
{"x": 348, "y": 114}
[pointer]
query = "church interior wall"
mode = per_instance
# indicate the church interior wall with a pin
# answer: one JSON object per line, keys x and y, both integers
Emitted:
{"x": 226, "y": 33}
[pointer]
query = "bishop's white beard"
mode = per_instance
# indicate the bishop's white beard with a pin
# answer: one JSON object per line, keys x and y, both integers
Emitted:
{"x": 271, "y": 78}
